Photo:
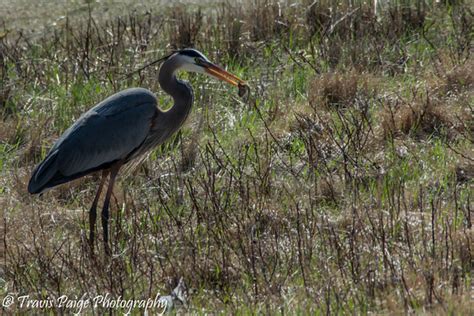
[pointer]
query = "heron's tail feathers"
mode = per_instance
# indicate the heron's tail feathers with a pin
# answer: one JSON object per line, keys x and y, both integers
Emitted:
{"x": 43, "y": 173}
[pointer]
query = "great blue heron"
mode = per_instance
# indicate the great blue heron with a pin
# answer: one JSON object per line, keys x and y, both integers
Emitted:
{"x": 121, "y": 128}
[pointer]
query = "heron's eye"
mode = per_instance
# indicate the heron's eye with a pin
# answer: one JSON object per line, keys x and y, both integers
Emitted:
{"x": 197, "y": 60}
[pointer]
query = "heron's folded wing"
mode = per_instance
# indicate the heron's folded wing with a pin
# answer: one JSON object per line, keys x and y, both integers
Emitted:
{"x": 97, "y": 139}
{"x": 108, "y": 132}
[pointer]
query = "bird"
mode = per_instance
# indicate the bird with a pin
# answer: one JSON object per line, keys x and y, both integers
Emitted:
{"x": 123, "y": 128}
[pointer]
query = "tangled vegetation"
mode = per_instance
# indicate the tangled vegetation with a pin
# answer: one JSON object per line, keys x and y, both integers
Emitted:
{"x": 342, "y": 185}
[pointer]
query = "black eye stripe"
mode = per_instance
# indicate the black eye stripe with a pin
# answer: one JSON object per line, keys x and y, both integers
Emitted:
{"x": 198, "y": 60}
{"x": 191, "y": 53}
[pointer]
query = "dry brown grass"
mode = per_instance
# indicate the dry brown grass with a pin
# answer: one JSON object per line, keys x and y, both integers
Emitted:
{"x": 461, "y": 78}
{"x": 342, "y": 186}
{"x": 424, "y": 116}
{"x": 340, "y": 90}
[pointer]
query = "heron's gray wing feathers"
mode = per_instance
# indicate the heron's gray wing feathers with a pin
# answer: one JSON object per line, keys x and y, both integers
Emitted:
{"x": 106, "y": 133}
{"x": 124, "y": 100}
{"x": 101, "y": 139}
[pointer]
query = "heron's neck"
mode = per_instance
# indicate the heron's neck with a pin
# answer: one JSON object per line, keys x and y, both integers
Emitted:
{"x": 180, "y": 91}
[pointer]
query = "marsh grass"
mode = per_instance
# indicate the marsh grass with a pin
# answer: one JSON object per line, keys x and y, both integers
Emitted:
{"x": 343, "y": 185}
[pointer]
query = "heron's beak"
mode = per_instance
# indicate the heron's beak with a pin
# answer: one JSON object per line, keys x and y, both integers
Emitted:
{"x": 221, "y": 74}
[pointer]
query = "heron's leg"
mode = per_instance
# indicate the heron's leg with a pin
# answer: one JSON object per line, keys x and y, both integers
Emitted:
{"x": 105, "y": 211}
{"x": 93, "y": 210}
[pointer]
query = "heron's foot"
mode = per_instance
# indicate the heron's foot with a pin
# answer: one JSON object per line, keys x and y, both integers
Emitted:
{"x": 91, "y": 235}
{"x": 91, "y": 244}
{"x": 106, "y": 239}
{"x": 107, "y": 250}
{"x": 92, "y": 220}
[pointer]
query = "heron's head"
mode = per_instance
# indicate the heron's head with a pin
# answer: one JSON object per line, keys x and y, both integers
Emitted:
{"x": 194, "y": 61}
